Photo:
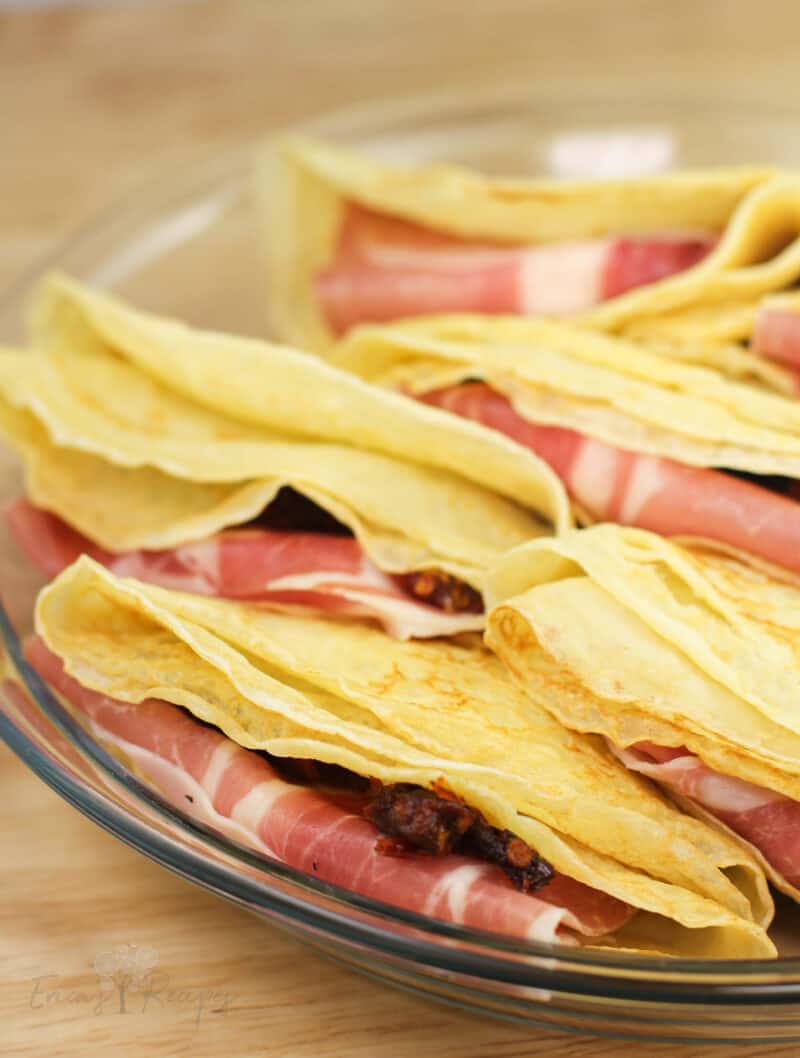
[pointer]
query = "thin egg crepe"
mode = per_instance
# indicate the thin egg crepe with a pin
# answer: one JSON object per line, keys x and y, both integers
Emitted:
{"x": 350, "y": 239}
{"x": 155, "y": 447}
{"x": 753, "y": 339}
{"x": 439, "y": 716}
{"x": 684, "y": 658}
{"x": 759, "y": 255}
{"x": 636, "y": 438}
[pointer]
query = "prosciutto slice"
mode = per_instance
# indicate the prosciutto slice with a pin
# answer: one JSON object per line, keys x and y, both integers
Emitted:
{"x": 386, "y": 268}
{"x": 776, "y": 335}
{"x": 238, "y": 793}
{"x": 649, "y": 492}
{"x": 768, "y": 820}
{"x": 316, "y": 571}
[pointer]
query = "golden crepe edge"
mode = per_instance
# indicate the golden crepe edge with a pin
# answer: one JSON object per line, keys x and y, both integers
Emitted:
{"x": 302, "y": 184}
{"x": 608, "y": 387}
{"x": 236, "y": 377}
{"x": 310, "y": 688}
{"x": 94, "y": 424}
{"x": 647, "y": 639}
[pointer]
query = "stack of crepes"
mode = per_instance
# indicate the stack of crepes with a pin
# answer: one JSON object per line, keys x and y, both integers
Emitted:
{"x": 526, "y": 828}
{"x": 413, "y": 772}
{"x": 696, "y": 264}
{"x": 210, "y": 463}
{"x": 636, "y": 438}
{"x": 684, "y": 659}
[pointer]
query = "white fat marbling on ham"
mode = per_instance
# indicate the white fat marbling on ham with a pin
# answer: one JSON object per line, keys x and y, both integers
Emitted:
{"x": 256, "y": 803}
{"x": 551, "y": 921}
{"x": 650, "y": 492}
{"x": 768, "y": 820}
{"x": 645, "y": 483}
{"x": 367, "y": 578}
{"x": 378, "y": 597}
{"x": 724, "y": 793}
{"x": 220, "y": 761}
{"x": 183, "y": 791}
{"x": 687, "y": 774}
{"x": 455, "y": 889}
{"x": 387, "y": 268}
{"x": 593, "y": 475}
{"x": 239, "y": 794}
{"x": 562, "y": 279}
{"x": 287, "y": 569}
{"x": 193, "y": 568}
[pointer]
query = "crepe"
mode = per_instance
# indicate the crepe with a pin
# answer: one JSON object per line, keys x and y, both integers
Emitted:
{"x": 609, "y": 388}
{"x": 758, "y": 254}
{"x": 428, "y": 714}
{"x": 719, "y": 337}
{"x": 752, "y": 339}
{"x": 142, "y": 433}
{"x": 636, "y": 438}
{"x": 282, "y": 393}
{"x": 303, "y": 187}
{"x": 621, "y": 633}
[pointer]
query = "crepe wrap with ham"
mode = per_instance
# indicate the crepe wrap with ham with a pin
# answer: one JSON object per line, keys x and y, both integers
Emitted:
{"x": 688, "y": 263}
{"x": 351, "y": 239}
{"x": 145, "y": 436}
{"x": 684, "y": 658}
{"x": 440, "y": 716}
{"x": 635, "y": 438}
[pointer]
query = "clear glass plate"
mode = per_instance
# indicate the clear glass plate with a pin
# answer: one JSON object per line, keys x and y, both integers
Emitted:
{"x": 186, "y": 246}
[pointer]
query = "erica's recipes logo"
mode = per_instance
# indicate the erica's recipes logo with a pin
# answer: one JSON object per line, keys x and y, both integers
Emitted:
{"x": 129, "y": 981}
{"x": 124, "y": 969}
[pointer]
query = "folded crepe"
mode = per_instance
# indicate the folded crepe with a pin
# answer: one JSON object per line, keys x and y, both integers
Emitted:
{"x": 732, "y": 339}
{"x": 435, "y": 720}
{"x": 753, "y": 339}
{"x": 144, "y": 442}
{"x": 685, "y": 659}
{"x": 636, "y": 438}
{"x": 758, "y": 255}
{"x": 350, "y": 240}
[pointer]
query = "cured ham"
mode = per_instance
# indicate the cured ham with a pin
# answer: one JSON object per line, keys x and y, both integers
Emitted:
{"x": 776, "y": 335}
{"x": 358, "y": 293}
{"x": 316, "y": 571}
{"x": 239, "y": 793}
{"x": 768, "y": 820}
{"x": 632, "y": 263}
{"x": 650, "y": 492}
{"x": 386, "y": 269}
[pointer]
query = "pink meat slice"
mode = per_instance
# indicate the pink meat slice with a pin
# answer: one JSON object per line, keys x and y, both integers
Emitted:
{"x": 776, "y": 335}
{"x": 240, "y": 794}
{"x": 649, "y": 492}
{"x": 633, "y": 263}
{"x": 768, "y": 820}
{"x": 387, "y": 268}
{"x": 49, "y": 543}
{"x": 359, "y": 293}
{"x": 315, "y": 571}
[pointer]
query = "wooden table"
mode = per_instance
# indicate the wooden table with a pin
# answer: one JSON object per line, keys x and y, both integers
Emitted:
{"x": 92, "y": 101}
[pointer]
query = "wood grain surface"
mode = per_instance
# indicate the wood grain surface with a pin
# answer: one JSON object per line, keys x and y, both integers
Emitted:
{"x": 94, "y": 100}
